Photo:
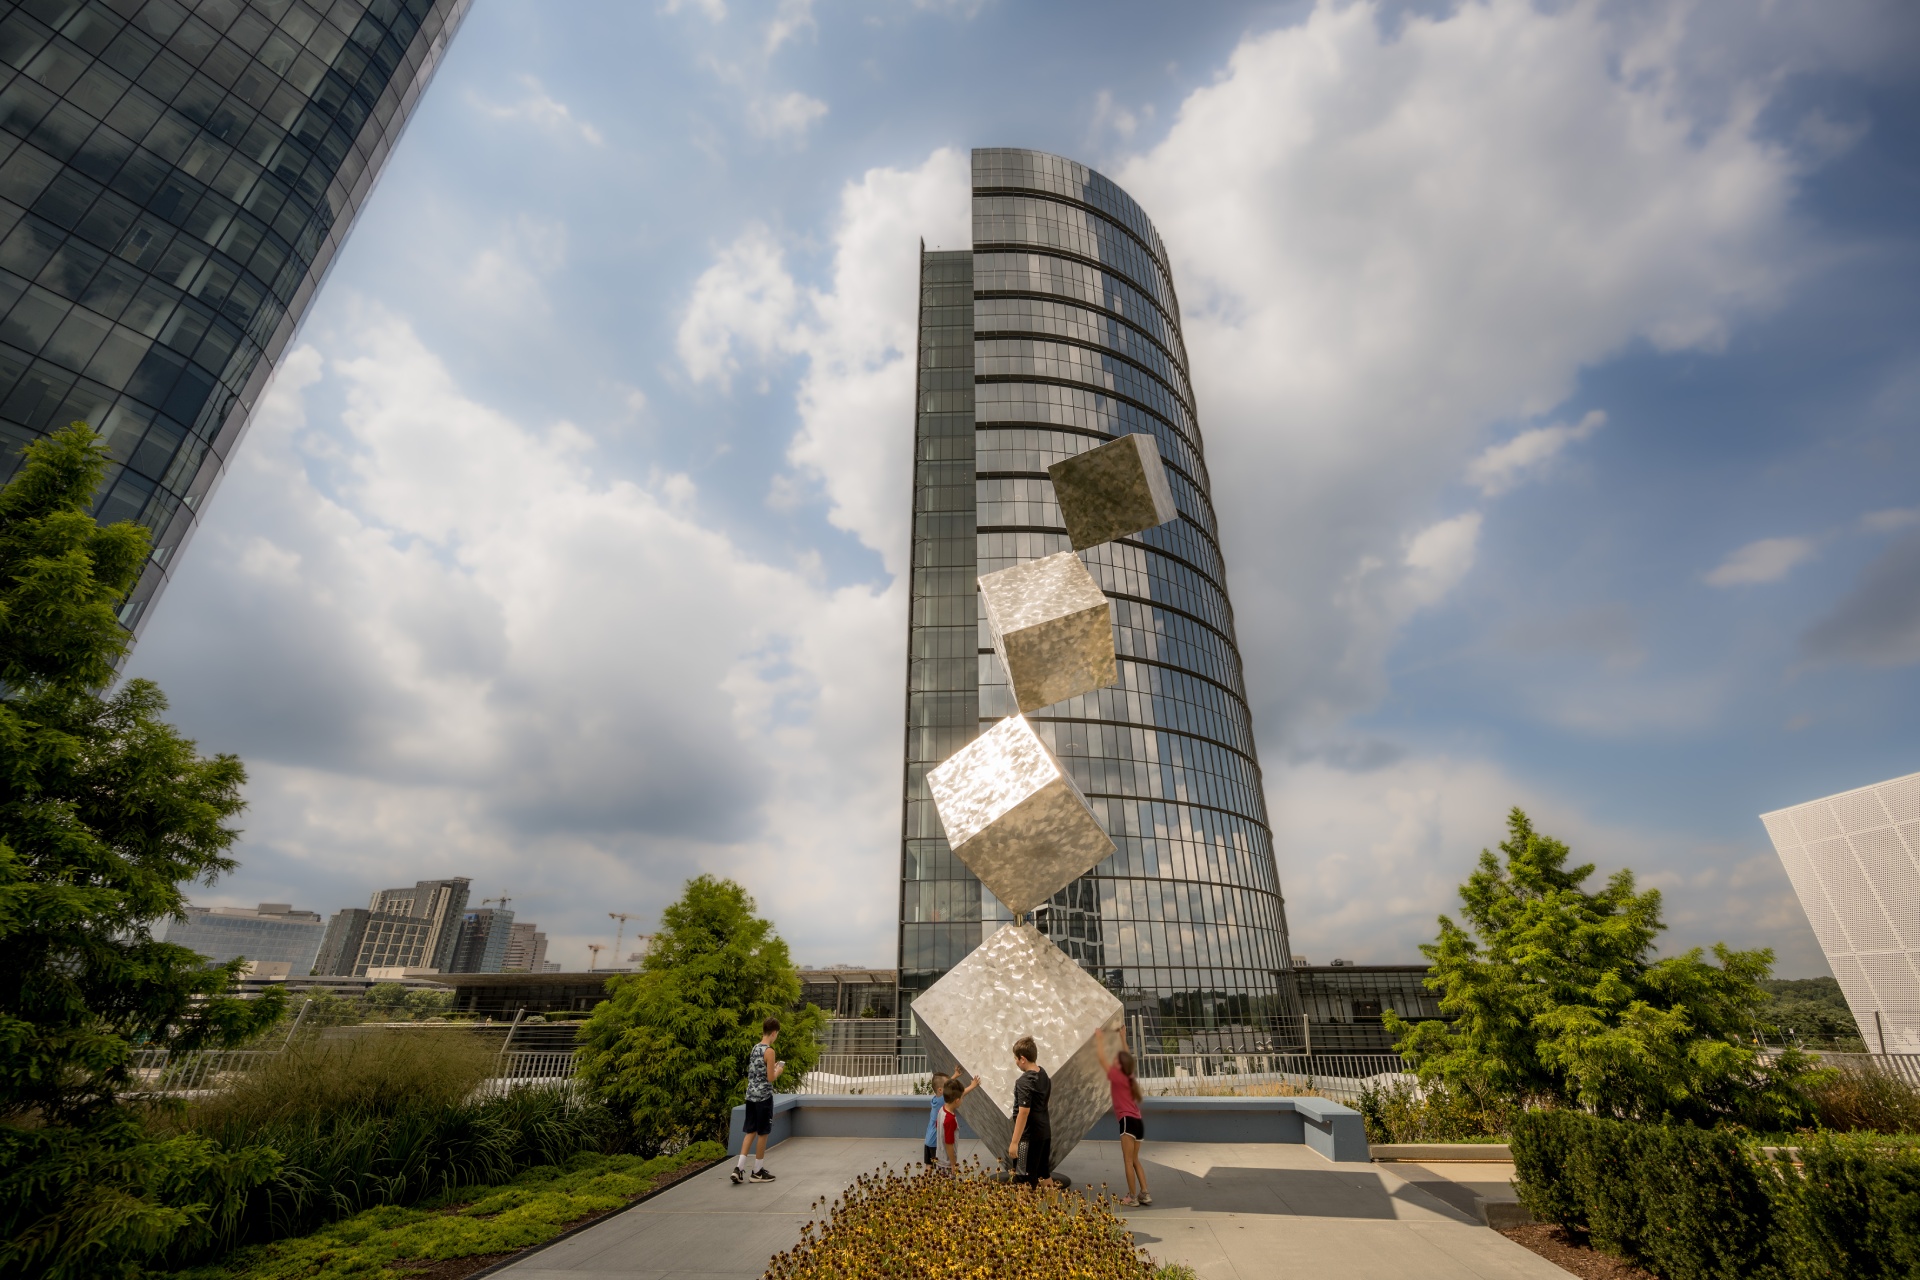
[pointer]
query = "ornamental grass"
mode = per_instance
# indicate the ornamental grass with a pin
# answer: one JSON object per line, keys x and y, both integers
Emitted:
{"x": 939, "y": 1226}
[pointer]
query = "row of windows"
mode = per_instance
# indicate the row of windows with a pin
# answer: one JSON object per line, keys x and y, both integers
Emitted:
{"x": 1141, "y": 629}
{"x": 1003, "y": 357}
{"x": 1119, "y": 760}
{"x": 995, "y": 167}
{"x": 1119, "y": 569}
{"x": 1000, "y": 272}
{"x": 1034, "y": 449}
{"x": 1147, "y": 696}
{"x": 1004, "y": 317}
{"x": 1043, "y": 405}
{"x": 183, "y": 203}
{"x": 1179, "y": 842}
{"x": 1027, "y": 503}
{"x": 1002, "y": 221}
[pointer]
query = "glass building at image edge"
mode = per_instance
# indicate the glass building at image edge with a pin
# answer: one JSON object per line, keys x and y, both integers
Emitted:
{"x": 1060, "y": 330}
{"x": 175, "y": 179}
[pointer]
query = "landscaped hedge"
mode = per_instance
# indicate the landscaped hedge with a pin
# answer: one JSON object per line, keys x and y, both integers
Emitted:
{"x": 1702, "y": 1204}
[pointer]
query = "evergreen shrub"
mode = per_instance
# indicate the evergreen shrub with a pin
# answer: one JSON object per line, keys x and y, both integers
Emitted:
{"x": 1705, "y": 1204}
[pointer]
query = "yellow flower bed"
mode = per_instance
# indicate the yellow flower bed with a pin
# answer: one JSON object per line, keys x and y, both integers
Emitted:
{"x": 934, "y": 1226}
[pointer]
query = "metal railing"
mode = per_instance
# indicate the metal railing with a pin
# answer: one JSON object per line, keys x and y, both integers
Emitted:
{"x": 869, "y": 1073}
{"x": 1901, "y": 1066}
{"x": 164, "y": 1073}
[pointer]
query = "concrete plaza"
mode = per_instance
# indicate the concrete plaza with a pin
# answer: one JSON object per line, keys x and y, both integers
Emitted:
{"x": 1230, "y": 1211}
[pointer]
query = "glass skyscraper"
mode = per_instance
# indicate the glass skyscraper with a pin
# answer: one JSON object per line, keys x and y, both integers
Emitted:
{"x": 175, "y": 179}
{"x": 1060, "y": 330}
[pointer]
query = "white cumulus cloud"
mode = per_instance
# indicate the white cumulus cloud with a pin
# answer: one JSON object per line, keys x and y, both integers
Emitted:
{"x": 541, "y": 109}
{"x": 1764, "y": 560}
{"x": 1504, "y": 465}
{"x": 785, "y": 116}
{"x": 1390, "y": 235}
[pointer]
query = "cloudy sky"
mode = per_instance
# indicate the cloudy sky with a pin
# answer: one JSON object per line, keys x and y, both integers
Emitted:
{"x": 1559, "y": 366}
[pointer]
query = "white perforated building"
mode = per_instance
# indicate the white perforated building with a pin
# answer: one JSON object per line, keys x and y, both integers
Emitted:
{"x": 1854, "y": 859}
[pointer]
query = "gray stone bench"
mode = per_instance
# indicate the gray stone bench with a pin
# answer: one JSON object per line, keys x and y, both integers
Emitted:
{"x": 1334, "y": 1131}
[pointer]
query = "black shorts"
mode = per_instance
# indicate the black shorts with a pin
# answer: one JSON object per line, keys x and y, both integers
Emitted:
{"x": 759, "y": 1115}
{"x": 1133, "y": 1127}
{"x": 933, "y": 1154}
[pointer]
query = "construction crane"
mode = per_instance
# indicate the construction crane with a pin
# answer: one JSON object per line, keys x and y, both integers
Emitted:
{"x": 619, "y": 933}
{"x": 503, "y": 900}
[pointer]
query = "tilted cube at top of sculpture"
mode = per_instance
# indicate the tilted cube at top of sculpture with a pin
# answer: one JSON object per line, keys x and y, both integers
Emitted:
{"x": 1018, "y": 983}
{"x": 1014, "y": 817}
{"x": 1052, "y": 627}
{"x": 1112, "y": 491}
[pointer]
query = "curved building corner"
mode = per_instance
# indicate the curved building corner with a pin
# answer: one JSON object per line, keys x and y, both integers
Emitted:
{"x": 175, "y": 180}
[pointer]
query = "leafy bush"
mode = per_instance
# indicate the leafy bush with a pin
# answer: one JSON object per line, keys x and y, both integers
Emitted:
{"x": 1404, "y": 1112}
{"x": 1555, "y": 995}
{"x": 1702, "y": 1204}
{"x": 667, "y": 1050}
{"x": 463, "y": 1222}
{"x": 938, "y": 1227}
{"x": 105, "y": 812}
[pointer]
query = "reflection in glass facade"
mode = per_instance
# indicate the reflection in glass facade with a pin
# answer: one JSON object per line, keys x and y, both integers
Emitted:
{"x": 175, "y": 179}
{"x": 1058, "y": 332}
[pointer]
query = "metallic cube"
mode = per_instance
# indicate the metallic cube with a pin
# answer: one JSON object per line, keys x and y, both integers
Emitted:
{"x": 1110, "y": 492}
{"x": 1052, "y": 627}
{"x": 1014, "y": 817}
{"x": 1015, "y": 984}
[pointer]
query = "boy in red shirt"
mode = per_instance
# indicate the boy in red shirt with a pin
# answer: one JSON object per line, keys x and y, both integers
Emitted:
{"x": 950, "y": 1119}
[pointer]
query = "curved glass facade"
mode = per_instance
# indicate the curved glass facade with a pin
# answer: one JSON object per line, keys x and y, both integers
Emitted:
{"x": 175, "y": 179}
{"x": 1073, "y": 329}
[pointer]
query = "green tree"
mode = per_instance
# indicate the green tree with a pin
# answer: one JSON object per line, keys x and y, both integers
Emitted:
{"x": 668, "y": 1047}
{"x": 1555, "y": 996}
{"x": 105, "y": 811}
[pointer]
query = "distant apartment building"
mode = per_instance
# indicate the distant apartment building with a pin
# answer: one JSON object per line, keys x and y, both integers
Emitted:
{"x": 276, "y": 940}
{"x": 1854, "y": 859}
{"x": 482, "y": 948}
{"x": 400, "y": 929}
{"x": 526, "y": 950}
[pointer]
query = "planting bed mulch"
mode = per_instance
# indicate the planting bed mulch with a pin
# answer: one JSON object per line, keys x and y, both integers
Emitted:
{"x": 486, "y": 1263}
{"x": 1570, "y": 1253}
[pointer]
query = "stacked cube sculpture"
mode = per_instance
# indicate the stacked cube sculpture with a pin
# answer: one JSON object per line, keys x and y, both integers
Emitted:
{"x": 1015, "y": 818}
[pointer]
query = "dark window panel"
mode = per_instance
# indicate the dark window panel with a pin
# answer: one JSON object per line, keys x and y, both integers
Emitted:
{"x": 93, "y": 29}
{"x": 76, "y": 339}
{"x": 20, "y": 39}
{"x": 23, "y": 104}
{"x": 28, "y": 247}
{"x": 32, "y": 320}
{"x": 165, "y": 76}
{"x": 57, "y": 66}
{"x": 193, "y": 40}
{"x": 119, "y": 355}
{"x": 71, "y": 269}
{"x": 159, "y": 18}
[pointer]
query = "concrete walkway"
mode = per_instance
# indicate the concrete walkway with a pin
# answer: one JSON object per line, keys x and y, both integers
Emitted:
{"x": 1232, "y": 1212}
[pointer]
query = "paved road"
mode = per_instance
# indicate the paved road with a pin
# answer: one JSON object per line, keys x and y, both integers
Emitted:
{"x": 1232, "y": 1212}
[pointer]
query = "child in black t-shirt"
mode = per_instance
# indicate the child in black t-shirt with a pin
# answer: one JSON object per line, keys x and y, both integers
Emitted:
{"x": 1030, "y": 1119}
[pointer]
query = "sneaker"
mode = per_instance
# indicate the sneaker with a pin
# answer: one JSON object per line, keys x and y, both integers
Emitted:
{"x": 761, "y": 1175}
{"x": 739, "y": 1175}
{"x": 1145, "y": 1199}
{"x": 1127, "y": 1201}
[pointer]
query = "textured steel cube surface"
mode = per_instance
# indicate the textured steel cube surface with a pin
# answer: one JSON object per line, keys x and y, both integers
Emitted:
{"x": 1052, "y": 627}
{"x": 1014, "y": 817}
{"x": 1015, "y": 984}
{"x": 1112, "y": 491}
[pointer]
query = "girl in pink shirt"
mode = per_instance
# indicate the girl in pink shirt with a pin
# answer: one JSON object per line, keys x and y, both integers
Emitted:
{"x": 1126, "y": 1110}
